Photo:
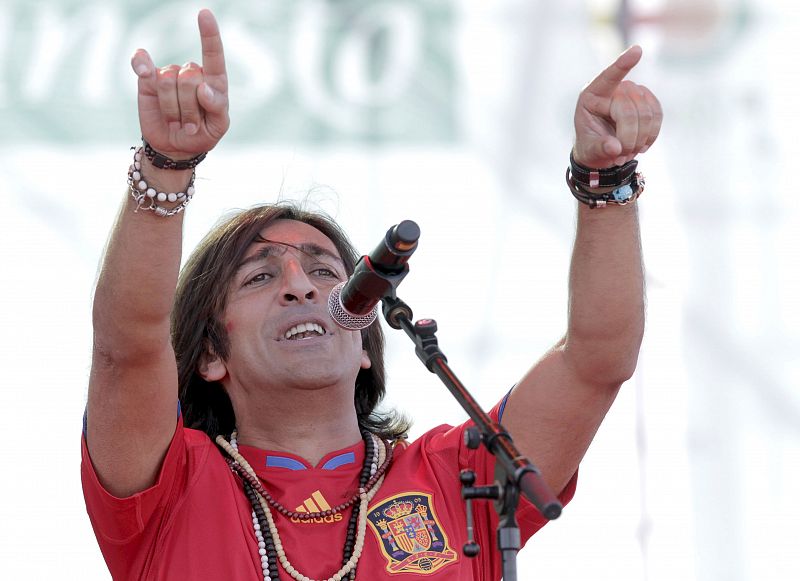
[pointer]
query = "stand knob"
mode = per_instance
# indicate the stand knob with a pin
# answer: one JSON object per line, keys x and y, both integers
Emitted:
{"x": 472, "y": 438}
{"x": 426, "y": 327}
{"x": 471, "y": 549}
{"x": 467, "y": 477}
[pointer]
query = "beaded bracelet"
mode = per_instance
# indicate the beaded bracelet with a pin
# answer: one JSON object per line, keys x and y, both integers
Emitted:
{"x": 622, "y": 195}
{"x": 161, "y": 161}
{"x": 147, "y": 196}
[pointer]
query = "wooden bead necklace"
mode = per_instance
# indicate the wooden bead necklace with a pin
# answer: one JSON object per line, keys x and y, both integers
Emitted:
{"x": 377, "y": 458}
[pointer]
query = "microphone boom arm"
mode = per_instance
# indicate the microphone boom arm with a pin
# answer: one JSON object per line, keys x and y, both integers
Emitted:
{"x": 515, "y": 472}
{"x": 353, "y": 305}
{"x": 493, "y": 436}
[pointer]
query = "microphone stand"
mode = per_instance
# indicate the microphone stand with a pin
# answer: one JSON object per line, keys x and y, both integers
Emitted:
{"x": 514, "y": 472}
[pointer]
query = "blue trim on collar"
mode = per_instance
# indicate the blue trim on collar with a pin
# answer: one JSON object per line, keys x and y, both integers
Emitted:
{"x": 291, "y": 464}
{"x": 284, "y": 462}
{"x": 340, "y": 460}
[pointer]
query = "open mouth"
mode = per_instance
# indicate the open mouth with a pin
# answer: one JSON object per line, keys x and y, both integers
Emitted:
{"x": 303, "y": 331}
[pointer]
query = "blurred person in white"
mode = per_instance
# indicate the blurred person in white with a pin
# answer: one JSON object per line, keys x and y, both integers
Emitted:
{"x": 276, "y": 464}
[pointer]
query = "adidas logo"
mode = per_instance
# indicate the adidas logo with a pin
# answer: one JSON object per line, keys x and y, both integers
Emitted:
{"x": 316, "y": 503}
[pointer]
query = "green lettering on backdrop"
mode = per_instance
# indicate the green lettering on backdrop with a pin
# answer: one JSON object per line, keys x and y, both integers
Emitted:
{"x": 302, "y": 71}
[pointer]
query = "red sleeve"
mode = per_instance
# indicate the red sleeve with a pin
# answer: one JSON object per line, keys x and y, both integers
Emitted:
{"x": 127, "y": 528}
{"x": 448, "y": 446}
{"x": 529, "y": 518}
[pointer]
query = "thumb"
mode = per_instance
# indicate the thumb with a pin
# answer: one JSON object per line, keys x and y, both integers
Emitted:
{"x": 215, "y": 105}
{"x": 212, "y": 101}
{"x": 611, "y": 147}
{"x": 206, "y": 96}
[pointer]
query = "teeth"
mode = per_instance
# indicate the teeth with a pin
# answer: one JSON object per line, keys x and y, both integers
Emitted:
{"x": 304, "y": 328}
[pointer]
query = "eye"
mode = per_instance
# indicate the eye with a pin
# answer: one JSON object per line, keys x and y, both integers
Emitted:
{"x": 325, "y": 272}
{"x": 257, "y": 279}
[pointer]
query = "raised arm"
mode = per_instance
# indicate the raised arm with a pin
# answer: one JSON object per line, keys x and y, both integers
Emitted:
{"x": 556, "y": 409}
{"x": 133, "y": 386}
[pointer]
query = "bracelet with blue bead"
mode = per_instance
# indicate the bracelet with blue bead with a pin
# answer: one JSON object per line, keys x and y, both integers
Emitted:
{"x": 621, "y": 195}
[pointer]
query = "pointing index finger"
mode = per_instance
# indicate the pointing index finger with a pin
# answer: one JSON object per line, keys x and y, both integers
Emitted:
{"x": 211, "y": 43}
{"x": 606, "y": 82}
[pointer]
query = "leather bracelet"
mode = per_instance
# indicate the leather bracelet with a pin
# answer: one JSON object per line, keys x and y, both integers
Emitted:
{"x": 624, "y": 194}
{"x": 161, "y": 161}
{"x": 146, "y": 196}
{"x": 610, "y": 177}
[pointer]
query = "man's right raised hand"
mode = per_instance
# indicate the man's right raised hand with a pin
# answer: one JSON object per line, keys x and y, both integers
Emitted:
{"x": 183, "y": 111}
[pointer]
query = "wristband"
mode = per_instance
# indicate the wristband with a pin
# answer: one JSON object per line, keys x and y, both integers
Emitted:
{"x": 161, "y": 161}
{"x": 610, "y": 177}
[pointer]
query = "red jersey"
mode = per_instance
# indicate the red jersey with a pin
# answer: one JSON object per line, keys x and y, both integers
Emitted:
{"x": 195, "y": 522}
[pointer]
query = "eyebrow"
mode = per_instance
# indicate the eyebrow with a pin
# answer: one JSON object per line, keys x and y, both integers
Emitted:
{"x": 269, "y": 247}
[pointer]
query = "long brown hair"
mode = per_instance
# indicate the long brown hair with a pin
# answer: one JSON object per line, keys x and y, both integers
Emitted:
{"x": 200, "y": 301}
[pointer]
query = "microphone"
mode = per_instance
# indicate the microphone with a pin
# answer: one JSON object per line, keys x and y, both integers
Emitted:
{"x": 353, "y": 304}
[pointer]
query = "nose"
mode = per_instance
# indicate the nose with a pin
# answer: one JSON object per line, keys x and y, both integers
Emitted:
{"x": 297, "y": 287}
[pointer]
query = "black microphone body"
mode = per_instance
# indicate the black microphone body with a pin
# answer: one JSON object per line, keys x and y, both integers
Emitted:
{"x": 353, "y": 304}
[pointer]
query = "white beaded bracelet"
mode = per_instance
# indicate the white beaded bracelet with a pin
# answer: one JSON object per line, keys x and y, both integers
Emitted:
{"x": 147, "y": 197}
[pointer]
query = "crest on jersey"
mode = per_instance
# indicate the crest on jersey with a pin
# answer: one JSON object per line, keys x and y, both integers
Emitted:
{"x": 411, "y": 538}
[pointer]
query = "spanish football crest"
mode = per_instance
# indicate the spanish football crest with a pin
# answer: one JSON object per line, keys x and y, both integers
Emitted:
{"x": 410, "y": 535}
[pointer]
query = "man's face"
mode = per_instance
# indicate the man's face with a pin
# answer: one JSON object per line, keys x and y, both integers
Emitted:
{"x": 281, "y": 335}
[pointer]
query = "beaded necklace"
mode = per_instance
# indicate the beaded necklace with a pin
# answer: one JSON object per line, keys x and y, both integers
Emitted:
{"x": 377, "y": 457}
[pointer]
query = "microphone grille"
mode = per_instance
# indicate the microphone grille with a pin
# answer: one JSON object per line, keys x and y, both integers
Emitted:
{"x": 345, "y": 318}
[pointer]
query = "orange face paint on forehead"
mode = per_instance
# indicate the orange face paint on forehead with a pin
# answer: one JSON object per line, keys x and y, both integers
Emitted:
{"x": 277, "y": 248}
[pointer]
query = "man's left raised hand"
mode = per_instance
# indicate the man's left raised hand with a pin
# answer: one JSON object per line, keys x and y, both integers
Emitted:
{"x": 615, "y": 119}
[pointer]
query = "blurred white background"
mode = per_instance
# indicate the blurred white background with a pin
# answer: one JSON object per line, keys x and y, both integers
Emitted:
{"x": 456, "y": 115}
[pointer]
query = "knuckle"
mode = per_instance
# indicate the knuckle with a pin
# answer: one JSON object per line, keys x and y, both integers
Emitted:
{"x": 627, "y": 111}
{"x": 169, "y": 70}
{"x": 189, "y": 77}
{"x": 189, "y": 70}
{"x": 590, "y": 100}
{"x": 166, "y": 77}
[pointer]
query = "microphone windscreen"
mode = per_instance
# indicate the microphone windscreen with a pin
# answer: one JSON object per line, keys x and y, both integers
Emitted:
{"x": 345, "y": 318}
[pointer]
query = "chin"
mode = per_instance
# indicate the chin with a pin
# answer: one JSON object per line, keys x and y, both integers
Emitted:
{"x": 320, "y": 379}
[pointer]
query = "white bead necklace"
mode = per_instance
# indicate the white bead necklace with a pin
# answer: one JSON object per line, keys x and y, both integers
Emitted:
{"x": 365, "y": 497}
